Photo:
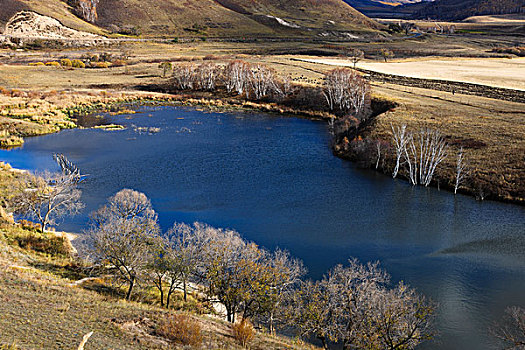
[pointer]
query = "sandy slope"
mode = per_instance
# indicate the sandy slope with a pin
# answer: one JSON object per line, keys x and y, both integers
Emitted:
{"x": 506, "y": 73}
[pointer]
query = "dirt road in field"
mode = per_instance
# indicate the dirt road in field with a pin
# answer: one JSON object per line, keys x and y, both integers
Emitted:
{"x": 502, "y": 79}
{"x": 496, "y": 72}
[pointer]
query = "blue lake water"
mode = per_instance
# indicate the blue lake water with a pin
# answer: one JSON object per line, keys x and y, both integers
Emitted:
{"x": 275, "y": 180}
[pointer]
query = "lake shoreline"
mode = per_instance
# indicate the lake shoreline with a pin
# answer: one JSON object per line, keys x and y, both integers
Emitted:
{"x": 121, "y": 102}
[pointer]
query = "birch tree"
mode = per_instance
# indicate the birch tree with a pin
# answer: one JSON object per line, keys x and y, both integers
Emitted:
{"x": 207, "y": 75}
{"x": 235, "y": 76}
{"x": 378, "y": 153}
{"x": 184, "y": 76}
{"x": 346, "y": 91}
{"x": 462, "y": 171}
{"x": 401, "y": 138}
{"x": 423, "y": 153}
{"x": 262, "y": 80}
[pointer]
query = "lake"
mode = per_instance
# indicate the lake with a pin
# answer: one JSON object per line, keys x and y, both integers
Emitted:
{"x": 274, "y": 179}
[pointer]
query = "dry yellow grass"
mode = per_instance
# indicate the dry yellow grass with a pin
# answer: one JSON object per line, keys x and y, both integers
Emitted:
{"x": 498, "y": 72}
{"x": 492, "y": 133}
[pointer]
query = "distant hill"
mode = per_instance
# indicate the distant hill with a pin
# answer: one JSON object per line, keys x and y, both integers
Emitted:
{"x": 436, "y": 9}
{"x": 213, "y": 18}
{"x": 461, "y": 9}
{"x": 386, "y": 8}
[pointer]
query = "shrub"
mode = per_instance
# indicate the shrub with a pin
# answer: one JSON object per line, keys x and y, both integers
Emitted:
{"x": 243, "y": 332}
{"x": 119, "y": 63}
{"x": 78, "y": 64}
{"x": 181, "y": 329}
{"x": 65, "y": 62}
{"x": 53, "y": 64}
{"x": 101, "y": 65}
{"x": 37, "y": 64}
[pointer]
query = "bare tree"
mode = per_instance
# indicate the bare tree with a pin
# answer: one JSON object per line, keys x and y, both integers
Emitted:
{"x": 378, "y": 151}
{"x": 50, "y": 196}
{"x": 68, "y": 168}
{"x": 511, "y": 330}
{"x": 188, "y": 246}
{"x": 184, "y": 76}
{"x": 401, "y": 138}
{"x": 355, "y": 55}
{"x": 286, "y": 277}
{"x": 423, "y": 153}
{"x": 284, "y": 87}
{"x": 163, "y": 268}
{"x": 407, "y": 27}
{"x": 123, "y": 233}
{"x": 309, "y": 312}
{"x": 262, "y": 80}
{"x": 353, "y": 292}
{"x": 220, "y": 269}
{"x": 346, "y": 91}
{"x": 461, "y": 170}
{"x": 402, "y": 319}
{"x": 236, "y": 75}
{"x": 207, "y": 75}
{"x": 353, "y": 306}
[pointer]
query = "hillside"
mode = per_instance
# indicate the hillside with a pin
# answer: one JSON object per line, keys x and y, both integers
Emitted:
{"x": 386, "y": 8}
{"x": 48, "y": 301}
{"x": 461, "y": 9}
{"x": 202, "y": 18}
{"x": 436, "y": 9}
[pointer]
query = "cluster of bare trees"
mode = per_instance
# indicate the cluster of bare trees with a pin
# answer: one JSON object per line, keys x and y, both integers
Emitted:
{"x": 252, "y": 80}
{"x": 48, "y": 197}
{"x": 351, "y": 305}
{"x": 347, "y": 92}
{"x": 421, "y": 153}
{"x": 245, "y": 278}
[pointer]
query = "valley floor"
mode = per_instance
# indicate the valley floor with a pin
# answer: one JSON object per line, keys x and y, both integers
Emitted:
{"x": 491, "y": 130}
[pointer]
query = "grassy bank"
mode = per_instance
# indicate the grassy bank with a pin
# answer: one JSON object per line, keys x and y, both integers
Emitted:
{"x": 50, "y": 300}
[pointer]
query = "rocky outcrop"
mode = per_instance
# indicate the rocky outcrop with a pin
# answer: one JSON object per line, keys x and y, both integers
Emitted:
{"x": 86, "y": 9}
{"x": 27, "y": 24}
